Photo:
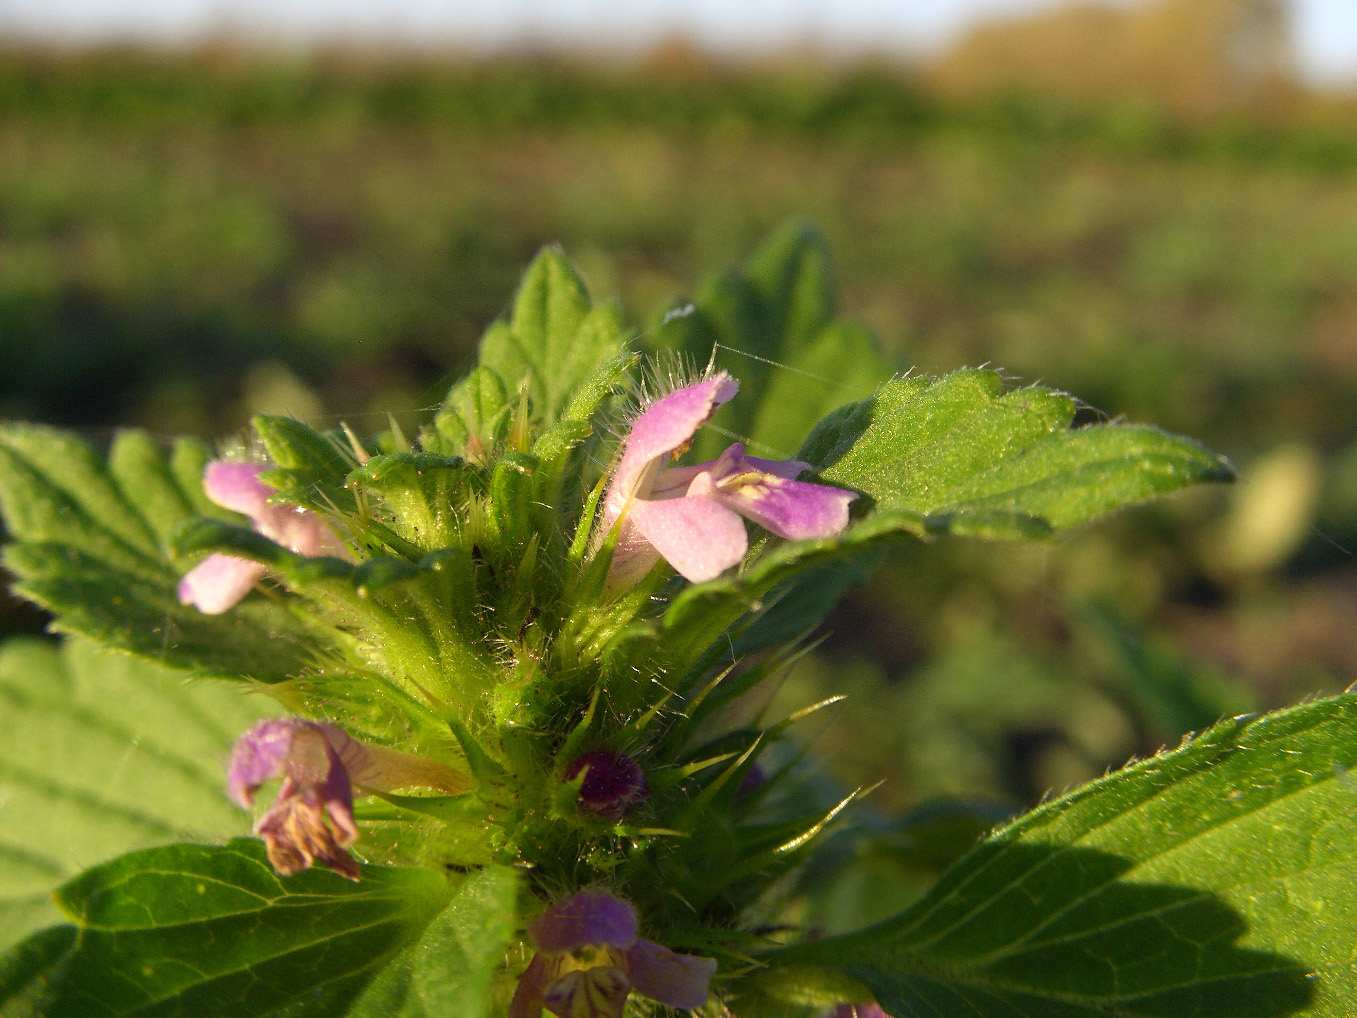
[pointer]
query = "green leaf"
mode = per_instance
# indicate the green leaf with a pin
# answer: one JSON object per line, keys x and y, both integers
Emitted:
{"x": 773, "y": 328}
{"x": 215, "y": 933}
{"x": 91, "y": 546}
{"x": 839, "y": 365}
{"x": 555, "y": 341}
{"x": 876, "y": 867}
{"x": 976, "y": 459}
{"x": 792, "y": 275}
{"x": 473, "y": 419}
{"x": 449, "y": 970}
{"x": 102, "y": 755}
{"x": 309, "y": 468}
{"x": 1216, "y": 879}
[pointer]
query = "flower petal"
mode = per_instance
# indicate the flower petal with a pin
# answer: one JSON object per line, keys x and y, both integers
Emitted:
{"x": 795, "y": 510}
{"x": 315, "y": 789}
{"x": 299, "y": 530}
{"x": 527, "y": 1002}
{"x": 599, "y": 992}
{"x": 678, "y": 980}
{"x": 237, "y": 486}
{"x": 218, "y": 583}
{"x": 385, "y": 770}
{"x": 259, "y": 756}
{"x": 589, "y": 917}
{"x": 790, "y": 469}
{"x": 665, "y": 425}
{"x": 695, "y": 534}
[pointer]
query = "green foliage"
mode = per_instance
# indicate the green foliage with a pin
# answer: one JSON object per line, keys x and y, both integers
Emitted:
{"x": 469, "y": 619}
{"x": 103, "y": 755}
{"x": 1207, "y": 880}
{"x": 215, "y": 932}
{"x": 554, "y": 344}
{"x": 773, "y": 327}
{"x": 449, "y": 969}
{"x": 975, "y": 459}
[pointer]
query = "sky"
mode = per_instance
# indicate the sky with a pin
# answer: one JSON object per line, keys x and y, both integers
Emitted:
{"x": 1326, "y": 30}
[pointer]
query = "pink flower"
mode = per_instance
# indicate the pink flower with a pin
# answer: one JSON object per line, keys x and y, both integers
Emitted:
{"x": 589, "y": 959}
{"x": 690, "y": 516}
{"x": 219, "y": 582}
{"x": 319, "y": 764}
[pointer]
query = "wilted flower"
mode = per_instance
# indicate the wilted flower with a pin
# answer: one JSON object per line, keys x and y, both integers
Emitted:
{"x": 613, "y": 783}
{"x": 589, "y": 959}
{"x": 218, "y": 583}
{"x": 690, "y": 516}
{"x": 319, "y": 764}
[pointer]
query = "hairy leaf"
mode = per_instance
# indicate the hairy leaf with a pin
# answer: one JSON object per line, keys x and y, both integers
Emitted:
{"x": 773, "y": 327}
{"x": 209, "y": 932}
{"x": 554, "y": 341}
{"x": 962, "y": 446}
{"x": 1213, "y": 880}
{"x": 449, "y": 969}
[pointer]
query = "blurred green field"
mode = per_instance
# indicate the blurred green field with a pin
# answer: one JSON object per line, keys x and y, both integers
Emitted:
{"x": 184, "y": 241}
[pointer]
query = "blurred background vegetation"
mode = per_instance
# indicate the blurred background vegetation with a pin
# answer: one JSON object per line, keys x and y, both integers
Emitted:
{"x": 1168, "y": 230}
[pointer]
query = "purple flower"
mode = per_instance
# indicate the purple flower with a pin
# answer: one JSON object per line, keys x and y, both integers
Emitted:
{"x": 218, "y": 583}
{"x": 589, "y": 959}
{"x": 613, "y": 783}
{"x": 690, "y": 516}
{"x": 319, "y": 763}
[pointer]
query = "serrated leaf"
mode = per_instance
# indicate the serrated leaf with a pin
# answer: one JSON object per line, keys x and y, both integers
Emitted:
{"x": 555, "y": 340}
{"x": 309, "y": 468}
{"x": 90, "y": 546}
{"x": 1213, "y": 880}
{"x": 215, "y": 933}
{"x": 474, "y": 417}
{"x": 965, "y": 453}
{"x": 103, "y": 755}
{"x": 449, "y": 970}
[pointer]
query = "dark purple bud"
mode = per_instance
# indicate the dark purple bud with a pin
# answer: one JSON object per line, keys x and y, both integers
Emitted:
{"x": 613, "y": 783}
{"x": 753, "y": 778}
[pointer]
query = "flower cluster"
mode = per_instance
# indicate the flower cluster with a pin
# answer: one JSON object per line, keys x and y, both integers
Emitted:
{"x": 589, "y": 957}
